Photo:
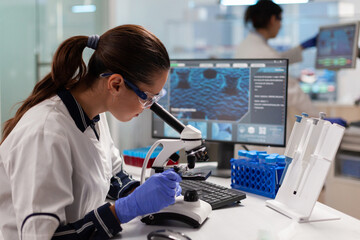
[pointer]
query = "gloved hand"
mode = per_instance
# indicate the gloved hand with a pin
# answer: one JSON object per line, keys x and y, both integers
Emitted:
{"x": 339, "y": 121}
{"x": 309, "y": 43}
{"x": 154, "y": 194}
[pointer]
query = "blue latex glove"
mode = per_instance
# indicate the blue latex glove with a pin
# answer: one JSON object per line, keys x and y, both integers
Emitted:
{"x": 309, "y": 43}
{"x": 339, "y": 121}
{"x": 154, "y": 194}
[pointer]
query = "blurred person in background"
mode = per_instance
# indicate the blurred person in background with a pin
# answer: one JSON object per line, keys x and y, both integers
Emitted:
{"x": 265, "y": 17}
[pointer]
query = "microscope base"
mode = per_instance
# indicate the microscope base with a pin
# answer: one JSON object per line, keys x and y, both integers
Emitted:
{"x": 191, "y": 213}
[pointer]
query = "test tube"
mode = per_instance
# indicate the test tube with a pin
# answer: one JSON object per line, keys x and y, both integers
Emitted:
{"x": 251, "y": 156}
{"x": 262, "y": 157}
{"x": 271, "y": 160}
{"x": 260, "y": 152}
{"x": 242, "y": 155}
{"x": 281, "y": 160}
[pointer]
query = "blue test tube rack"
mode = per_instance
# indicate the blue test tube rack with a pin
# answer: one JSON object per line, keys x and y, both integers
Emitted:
{"x": 258, "y": 177}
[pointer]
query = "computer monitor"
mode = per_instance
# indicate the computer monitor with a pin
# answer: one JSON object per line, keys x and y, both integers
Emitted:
{"x": 229, "y": 100}
{"x": 337, "y": 46}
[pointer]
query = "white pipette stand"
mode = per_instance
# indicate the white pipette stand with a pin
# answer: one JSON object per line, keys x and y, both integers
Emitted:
{"x": 312, "y": 152}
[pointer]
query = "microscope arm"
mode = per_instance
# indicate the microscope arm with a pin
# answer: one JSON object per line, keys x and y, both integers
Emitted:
{"x": 146, "y": 160}
{"x": 170, "y": 146}
{"x": 190, "y": 140}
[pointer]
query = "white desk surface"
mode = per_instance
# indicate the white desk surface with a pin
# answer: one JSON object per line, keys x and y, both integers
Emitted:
{"x": 251, "y": 220}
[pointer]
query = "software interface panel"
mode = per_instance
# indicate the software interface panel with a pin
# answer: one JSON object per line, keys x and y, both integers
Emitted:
{"x": 228, "y": 100}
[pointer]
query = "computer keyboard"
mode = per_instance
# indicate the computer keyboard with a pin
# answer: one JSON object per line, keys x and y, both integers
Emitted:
{"x": 217, "y": 196}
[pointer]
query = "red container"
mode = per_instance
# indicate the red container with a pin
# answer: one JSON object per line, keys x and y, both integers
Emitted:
{"x": 138, "y": 162}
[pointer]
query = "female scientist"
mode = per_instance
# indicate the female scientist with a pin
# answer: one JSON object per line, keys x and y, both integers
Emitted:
{"x": 265, "y": 17}
{"x": 58, "y": 162}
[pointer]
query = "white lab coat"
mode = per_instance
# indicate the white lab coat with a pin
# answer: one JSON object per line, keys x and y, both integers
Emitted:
{"x": 255, "y": 46}
{"x": 50, "y": 168}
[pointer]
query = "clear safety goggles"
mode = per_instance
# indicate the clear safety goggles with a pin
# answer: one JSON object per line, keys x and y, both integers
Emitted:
{"x": 145, "y": 98}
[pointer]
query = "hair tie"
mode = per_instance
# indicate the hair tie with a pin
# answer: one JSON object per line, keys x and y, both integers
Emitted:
{"x": 93, "y": 41}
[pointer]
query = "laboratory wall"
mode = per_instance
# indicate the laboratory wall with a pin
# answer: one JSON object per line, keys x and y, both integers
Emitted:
{"x": 31, "y": 30}
{"x": 17, "y": 47}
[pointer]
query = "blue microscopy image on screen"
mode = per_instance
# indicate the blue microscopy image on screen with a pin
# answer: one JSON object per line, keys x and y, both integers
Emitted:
{"x": 209, "y": 93}
{"x": 202, "y": 126}
{"x": 221, "y": 131}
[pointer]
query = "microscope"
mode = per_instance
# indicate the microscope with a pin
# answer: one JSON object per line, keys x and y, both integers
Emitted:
{"x": 188, "y": 208}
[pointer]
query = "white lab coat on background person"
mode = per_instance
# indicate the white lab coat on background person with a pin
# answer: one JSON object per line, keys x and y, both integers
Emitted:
{"x": 256, "y": 46}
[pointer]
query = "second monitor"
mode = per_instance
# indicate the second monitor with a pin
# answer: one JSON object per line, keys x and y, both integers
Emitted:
{"x": 337, "y": 46}
{"x": 229, "y": 100}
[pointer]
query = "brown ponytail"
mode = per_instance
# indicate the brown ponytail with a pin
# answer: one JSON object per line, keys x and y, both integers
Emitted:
{"x": 130, "y": 50}
{"x": 67, "y": 62}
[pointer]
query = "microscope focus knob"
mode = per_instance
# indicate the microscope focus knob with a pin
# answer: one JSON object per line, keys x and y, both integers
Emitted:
{"x": 191, "y": 196}
{"x": 191, "y": 161}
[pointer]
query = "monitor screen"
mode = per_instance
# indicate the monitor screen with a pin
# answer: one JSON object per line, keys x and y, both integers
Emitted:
{"x": 228, "y": 100}
{"x": 337, "y": 46}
